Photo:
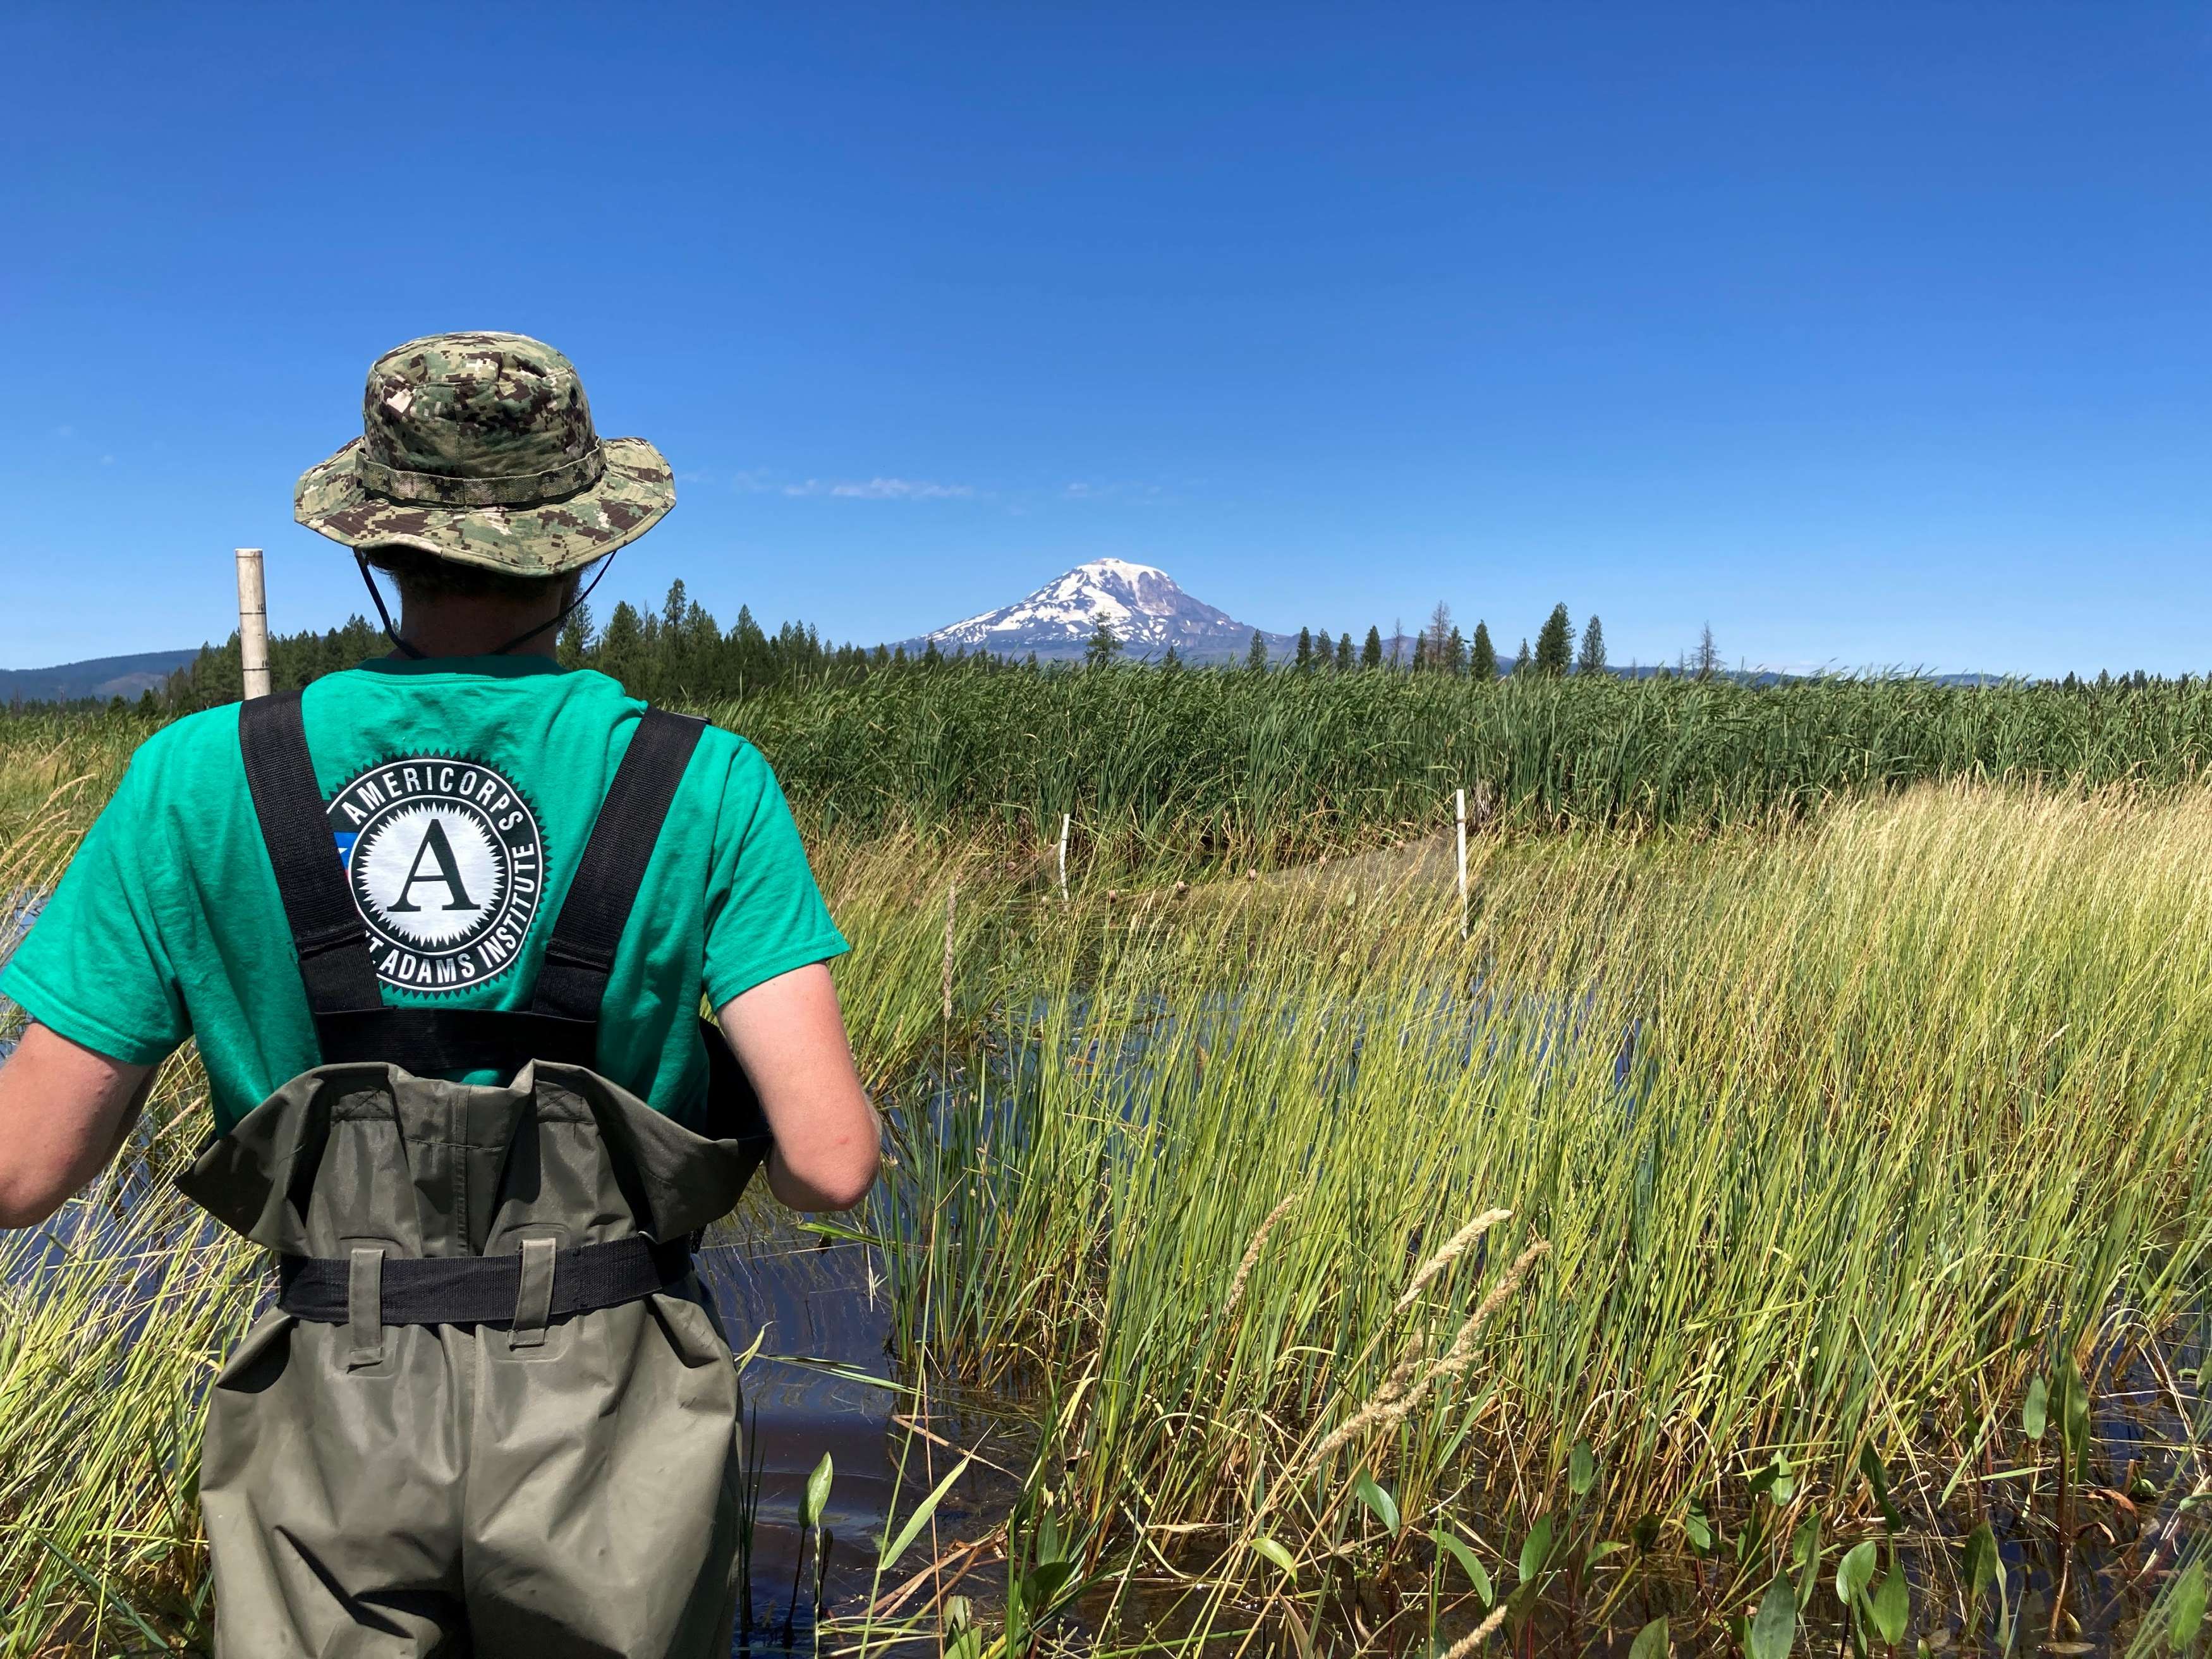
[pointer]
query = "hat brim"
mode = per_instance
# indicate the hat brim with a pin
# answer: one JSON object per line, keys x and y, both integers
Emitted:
{"x": 546, "y": 538}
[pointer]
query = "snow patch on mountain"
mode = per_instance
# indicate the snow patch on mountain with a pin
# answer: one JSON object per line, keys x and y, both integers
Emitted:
{"x": 1147, "y": 612}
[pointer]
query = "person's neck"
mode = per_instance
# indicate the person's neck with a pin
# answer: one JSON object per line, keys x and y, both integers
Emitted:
{"x": 480, "y": 628}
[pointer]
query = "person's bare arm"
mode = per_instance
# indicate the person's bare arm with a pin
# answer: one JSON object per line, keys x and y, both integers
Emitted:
{"x": 64, "y": 1112}
{"x": 789, "y": 1033}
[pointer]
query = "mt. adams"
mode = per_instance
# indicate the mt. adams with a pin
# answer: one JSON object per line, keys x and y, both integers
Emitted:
{"x": 1146, "y": 611}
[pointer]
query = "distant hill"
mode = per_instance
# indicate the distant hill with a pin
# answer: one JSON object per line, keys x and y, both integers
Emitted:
{"x": 1146, "y": 611}
{"x": 100, "y": 676}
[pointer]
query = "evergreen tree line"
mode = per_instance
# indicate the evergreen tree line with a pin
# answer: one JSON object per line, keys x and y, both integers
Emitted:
{"x": 1441, "y": 648}
{"x": 681, "y": 653}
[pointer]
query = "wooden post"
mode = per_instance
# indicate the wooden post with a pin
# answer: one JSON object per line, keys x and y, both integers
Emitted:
{"x": 1462, "y": 862}
{"x": 1066, "y": 818}
{"x": 252, "y": 624}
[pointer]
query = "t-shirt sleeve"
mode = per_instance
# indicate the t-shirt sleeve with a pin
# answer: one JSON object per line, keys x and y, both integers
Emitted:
{"x": 764, "y": 914}
{"x": 94, "y": 967}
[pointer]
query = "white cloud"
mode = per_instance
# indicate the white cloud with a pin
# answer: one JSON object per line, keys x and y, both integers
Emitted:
{"x": 1083, "y": 490}
{"x": 883, "y": 489}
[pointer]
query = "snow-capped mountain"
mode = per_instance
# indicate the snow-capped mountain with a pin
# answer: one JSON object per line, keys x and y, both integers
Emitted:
{"x": 1146, "y": 611}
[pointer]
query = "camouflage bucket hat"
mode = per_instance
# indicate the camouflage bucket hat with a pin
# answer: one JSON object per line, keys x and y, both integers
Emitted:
{"x": 479, "y": 448}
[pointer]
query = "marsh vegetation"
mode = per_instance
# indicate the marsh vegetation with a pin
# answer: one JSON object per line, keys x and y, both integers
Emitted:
{"x": 1773, "y": 1218}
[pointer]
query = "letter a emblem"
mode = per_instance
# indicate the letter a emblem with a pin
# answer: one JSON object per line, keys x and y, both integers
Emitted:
{"x": 448, "y": 873}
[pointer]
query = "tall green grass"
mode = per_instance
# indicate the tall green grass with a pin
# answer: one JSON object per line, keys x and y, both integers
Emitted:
{"x": 1835, "y": 1137}
{"x": 1219, "y": 766}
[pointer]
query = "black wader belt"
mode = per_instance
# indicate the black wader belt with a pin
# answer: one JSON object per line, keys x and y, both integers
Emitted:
{"x": 482, "y": 1290}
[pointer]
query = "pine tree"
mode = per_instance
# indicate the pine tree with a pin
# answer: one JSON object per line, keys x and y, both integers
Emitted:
{"x": 618, "y": 648}
{"x": 1305, "y": 648}
{"x": 1555, "y": 643}
{"x": 1343, "y": 657}
{"x": 1708, "y": 660}
{"x": 1256, "y": 658}
{"x": 1170, "y": 663}
{"x": 1421, "y": 652}
{"x": 1102, "y": 647}
{"x": 1592, "y": 659}
{"x": 930, "y": 656}
{"x": 1483, "y": 662}
{"x": 1455, "y": 654}
{"x": 1439, "y": 634}
{"x": 1520, "y": 662}
{"x": 1370, "y": 654}
{"x": 574, "y": 648}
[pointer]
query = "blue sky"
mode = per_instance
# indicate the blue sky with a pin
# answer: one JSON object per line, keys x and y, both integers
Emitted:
{"x": 1871, "y": 334}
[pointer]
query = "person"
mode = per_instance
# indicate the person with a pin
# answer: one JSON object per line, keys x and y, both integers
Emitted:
{"x": 441, "y": 925}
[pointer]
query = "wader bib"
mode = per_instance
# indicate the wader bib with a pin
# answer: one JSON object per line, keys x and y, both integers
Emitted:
{"x": 492, "y": 1413}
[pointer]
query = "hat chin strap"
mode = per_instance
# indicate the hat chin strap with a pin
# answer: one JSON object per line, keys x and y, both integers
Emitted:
{"x": 376, "y": 597}
{"x": 405, "y": 649}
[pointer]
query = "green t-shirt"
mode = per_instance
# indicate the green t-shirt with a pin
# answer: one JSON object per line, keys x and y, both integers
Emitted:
{"x": 460, "y": 793}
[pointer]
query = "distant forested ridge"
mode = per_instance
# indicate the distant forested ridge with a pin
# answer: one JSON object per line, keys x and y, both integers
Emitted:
{"x": 96, "y": 680}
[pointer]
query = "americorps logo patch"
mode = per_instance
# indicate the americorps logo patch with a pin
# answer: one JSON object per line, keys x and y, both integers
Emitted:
{"x": 444, "y": 858}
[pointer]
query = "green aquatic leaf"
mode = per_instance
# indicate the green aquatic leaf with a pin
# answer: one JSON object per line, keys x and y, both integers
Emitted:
{"x": 2035, "y": 1410}
{"x": 1697, "y": 1528}
{"x": 1893, "y": 1606}
{"x": 1854, "y": 1573}
{"x": 1981, "y": 1570}
{"x": 2074, "y": 1417}
{"x": 1877, "y": 1480}
{"x": 1041, "y": 1585}
{"x": 817, "y": 1502}
{"x": 1581, "y": 1468}
{"x": 1651, "y": 1641}
{"x": 1536, "y": 1549}
{"x": 1805, "y": 1556}
{"x": 1774, "y": 1627}
{"x": 1273, "y": 1550}
{"x": 1775, "y": 1480}
{"x": 1469, "y": 1563}
{"x": 2186, "y": 1611}
{"x": 1384, "y": 1505}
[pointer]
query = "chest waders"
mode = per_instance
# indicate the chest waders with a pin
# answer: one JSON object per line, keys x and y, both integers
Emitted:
{"x": 492, "y": 1413}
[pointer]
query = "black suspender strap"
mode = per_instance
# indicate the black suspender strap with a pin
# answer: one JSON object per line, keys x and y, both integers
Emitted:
{"x": 335, "y": 962}
{"x": 580, "y": 955}
{"x": 339, "y": 971}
